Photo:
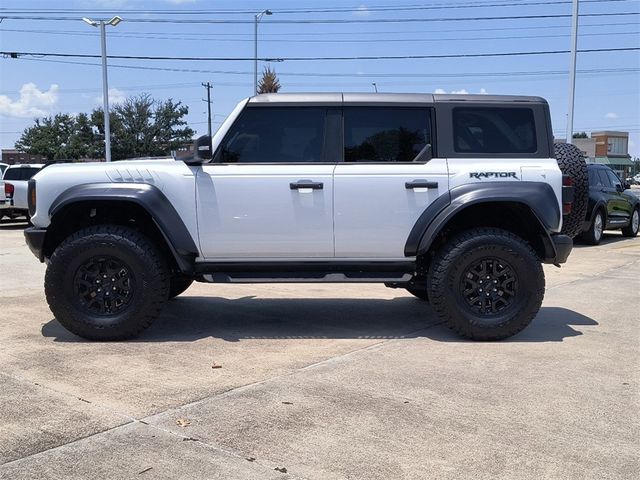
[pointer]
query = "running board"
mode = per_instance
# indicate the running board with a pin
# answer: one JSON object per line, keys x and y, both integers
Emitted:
{"x": 306, "y": 272}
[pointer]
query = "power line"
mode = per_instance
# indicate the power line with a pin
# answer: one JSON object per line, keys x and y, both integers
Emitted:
{"x": 334, "y": 21}
{"x": 353, "y": 75}
{"x": 294, "y": 59}
{"x": 334, "y": 34}
{"x": 353, "y": 9}
{"x": 324, "y": 40}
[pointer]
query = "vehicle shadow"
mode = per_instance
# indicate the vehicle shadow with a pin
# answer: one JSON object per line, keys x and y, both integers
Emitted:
{"x": 608, "y": 237}
{"x": 187, "y": 319}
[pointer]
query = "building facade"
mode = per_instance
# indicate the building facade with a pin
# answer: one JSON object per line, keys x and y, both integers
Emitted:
{"x": 12, "y": 156}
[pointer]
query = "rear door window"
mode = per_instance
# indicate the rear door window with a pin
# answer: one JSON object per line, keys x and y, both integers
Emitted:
{"x": 385, "y": 134}
{"x": 604, "y": 179}
{"x": 494, "y": 130}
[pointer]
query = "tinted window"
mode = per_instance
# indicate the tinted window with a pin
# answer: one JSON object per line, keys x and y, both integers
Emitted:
{"x": 604, "y": 180}
{"x": 21, "y": 173}
{"x": 594, "y": 178}
{"x": 494, "y": 130}
{"x": 613, "y": 178}
{"x": 385, "y": 134}
{"x": 275, "y": 135}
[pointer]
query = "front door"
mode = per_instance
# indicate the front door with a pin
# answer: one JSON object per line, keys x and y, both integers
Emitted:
{"x": 268, "y": 194}
{"x": 386, "y": 180}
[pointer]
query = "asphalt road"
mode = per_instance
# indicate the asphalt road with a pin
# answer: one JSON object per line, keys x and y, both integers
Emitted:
{"x": 324, "y": 382}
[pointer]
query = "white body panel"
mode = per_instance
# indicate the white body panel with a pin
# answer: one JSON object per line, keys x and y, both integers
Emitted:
{"x": 175, "y": 179}
{"x": 250, "y": 211}
{"x": 544, "y": 170}
{"x": 374, "y": 211}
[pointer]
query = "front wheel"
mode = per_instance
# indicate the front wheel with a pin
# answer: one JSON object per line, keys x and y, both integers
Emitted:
{"x": 486, "y": 283}
{"x": 631, "y": 230}
{"x": 106, "y": 282}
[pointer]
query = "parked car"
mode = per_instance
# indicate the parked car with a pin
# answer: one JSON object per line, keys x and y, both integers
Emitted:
{"x": 13, "y": 191}
{"x": 610, "y": 206}
{"x": 456, "y": 198}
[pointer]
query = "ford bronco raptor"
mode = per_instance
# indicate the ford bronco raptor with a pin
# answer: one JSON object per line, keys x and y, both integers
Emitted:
{"x": 458, "y": 199}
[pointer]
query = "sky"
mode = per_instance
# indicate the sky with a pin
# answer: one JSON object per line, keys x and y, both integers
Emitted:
{"x": 607, "y": 83}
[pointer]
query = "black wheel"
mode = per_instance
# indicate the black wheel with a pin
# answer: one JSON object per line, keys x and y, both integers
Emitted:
{"x": 421, "y": 293}
{"x": 594, "y": 234}
{"x": 178, "y": 284}
{"x": 631, "y": 230}
{"x": 486, "y": 283}
{"x": 572, "y": 163}
{"x": 106, "y": 282}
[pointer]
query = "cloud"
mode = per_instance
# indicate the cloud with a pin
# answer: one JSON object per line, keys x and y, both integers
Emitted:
{"x": 32, "y": 102}
{"x": 460, "y": 92}
{"x": 115, "y": 96}
{"x": 611, "y": 115}
{"x": 362, "y": 11}
{"x": 440, "y": 91}
{"x": 483, "y": 91}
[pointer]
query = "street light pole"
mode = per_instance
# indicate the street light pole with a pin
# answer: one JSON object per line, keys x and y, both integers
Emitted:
{"x": 572, "y": 70}
{"x": 105, "y": 83}
{"x": 257, "y": 19}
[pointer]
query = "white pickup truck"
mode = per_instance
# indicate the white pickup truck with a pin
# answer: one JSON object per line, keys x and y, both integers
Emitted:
{"x": 13, "y": 189}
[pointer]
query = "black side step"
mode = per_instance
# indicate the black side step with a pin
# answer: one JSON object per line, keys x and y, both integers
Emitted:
{"x": 306, "y": 272}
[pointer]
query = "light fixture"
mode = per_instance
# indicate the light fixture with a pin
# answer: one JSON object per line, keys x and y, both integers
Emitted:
{"x": 114, "y": 21}
{"x": 89, "y": 21}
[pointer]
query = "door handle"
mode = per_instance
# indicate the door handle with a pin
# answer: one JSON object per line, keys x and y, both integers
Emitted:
{"x": 420, "y": 184}
{"x": 306, "y": 184}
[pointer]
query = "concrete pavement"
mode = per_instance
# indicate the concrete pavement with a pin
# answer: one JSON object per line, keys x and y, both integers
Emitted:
{"x": 342, "y": 381}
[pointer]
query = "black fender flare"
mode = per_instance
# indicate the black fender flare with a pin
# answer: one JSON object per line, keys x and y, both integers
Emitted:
{"x": 152, "y": 200}
{"x": 600, "y": 205}
{"x": 538, "y": 196}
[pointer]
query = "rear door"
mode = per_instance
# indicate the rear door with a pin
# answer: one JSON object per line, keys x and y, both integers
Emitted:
{"x": 380, "y": 191}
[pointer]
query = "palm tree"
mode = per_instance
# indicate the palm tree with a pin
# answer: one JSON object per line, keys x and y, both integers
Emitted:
{"x": 269, "y": 82}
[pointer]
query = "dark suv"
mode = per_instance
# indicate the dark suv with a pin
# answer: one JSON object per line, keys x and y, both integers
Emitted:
{"x": 609, "y": 207}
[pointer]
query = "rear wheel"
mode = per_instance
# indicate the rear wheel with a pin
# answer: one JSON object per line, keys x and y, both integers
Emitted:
{"x": 486, "y": 283}
{"x": 106, "y": 282}
{"x": 571, "y": 162}
{"x": 631, "y": 230}
{"x": 594, "y": 234}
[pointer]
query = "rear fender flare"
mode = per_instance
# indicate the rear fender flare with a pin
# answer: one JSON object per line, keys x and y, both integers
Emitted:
{"x": 539, "y": 197}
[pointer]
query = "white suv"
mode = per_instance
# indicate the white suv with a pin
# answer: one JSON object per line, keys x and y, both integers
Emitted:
{"x": 458, "y": 199}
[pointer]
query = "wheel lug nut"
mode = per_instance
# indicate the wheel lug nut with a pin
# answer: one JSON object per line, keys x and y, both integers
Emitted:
{"x": 479, "y": 289}
{"x": 99, "y": 289}
{"x": 487, "y": 294}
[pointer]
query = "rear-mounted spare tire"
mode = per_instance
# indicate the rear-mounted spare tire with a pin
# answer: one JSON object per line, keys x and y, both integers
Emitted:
{"x": 571, "y": 162}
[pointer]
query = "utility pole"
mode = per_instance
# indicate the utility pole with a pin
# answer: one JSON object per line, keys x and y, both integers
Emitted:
{"x": 208, "y": 86}
{"x": 375, "y": 86}
{"x": 572, "y": 70}
{"x": 105, "y": 85}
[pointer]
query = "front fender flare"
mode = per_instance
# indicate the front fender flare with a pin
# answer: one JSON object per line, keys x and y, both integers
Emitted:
{"x": 151, "y": 199}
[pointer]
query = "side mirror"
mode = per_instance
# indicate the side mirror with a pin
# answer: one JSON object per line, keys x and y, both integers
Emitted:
{"x": 627, "y": 186}
{"x": 203, "y": 148}
{"x": 202, "y": 151}
{"x": 618, "y": 187}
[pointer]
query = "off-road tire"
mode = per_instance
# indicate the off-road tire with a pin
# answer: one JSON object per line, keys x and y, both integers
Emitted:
{"x": 571, "y": 162}
{"x": 630, "y": 230}
{"x": 452, "y": 262}
{"x": 178, "y": 284}
{"x": 420, "y": 293}
{"x": 147, "y": 280}
{"x": 592, "y": 236}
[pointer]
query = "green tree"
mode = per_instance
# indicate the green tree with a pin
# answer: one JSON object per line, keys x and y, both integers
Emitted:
{"x": 269, "y": 82}
{"x": 51, "y": 137}
{"x": 140, "y": 127}
{"x": 580, "y": 135}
